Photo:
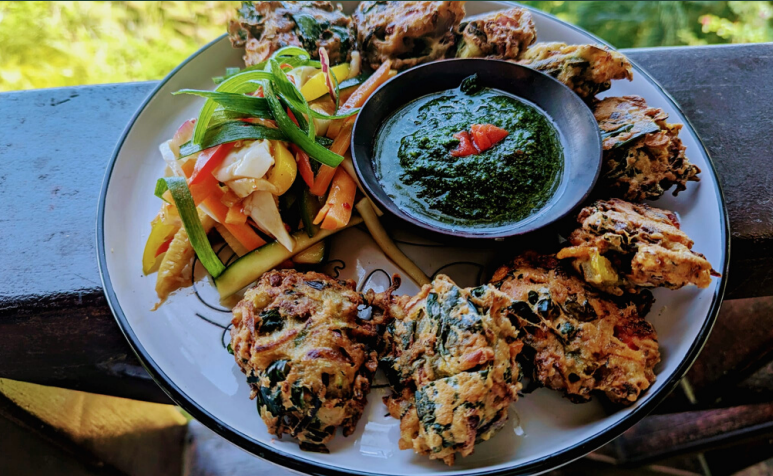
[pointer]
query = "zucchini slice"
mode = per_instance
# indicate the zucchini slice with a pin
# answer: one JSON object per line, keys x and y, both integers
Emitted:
{"x": 251, "y": 266}
{"x": 314, "y": 254}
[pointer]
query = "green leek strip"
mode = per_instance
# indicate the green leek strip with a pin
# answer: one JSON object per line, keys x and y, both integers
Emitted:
{"x": 240, "y": 83}
{"x": 289, "y": 89}
{"x": 230, "y": 132}
{"x": 289, "y": 51}
{"x": 222, "y": 115}
{"x": 355, "y": 81}
{"x": 296, "y": 135}
{"x": 190, "y": 218}
{"x": 254, "y": 106}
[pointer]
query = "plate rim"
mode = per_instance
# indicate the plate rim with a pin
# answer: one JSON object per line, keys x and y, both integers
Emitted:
{"x": 265, "y": 451}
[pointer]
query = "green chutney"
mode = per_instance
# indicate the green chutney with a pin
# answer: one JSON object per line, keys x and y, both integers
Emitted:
{"x": 505, "y": 184}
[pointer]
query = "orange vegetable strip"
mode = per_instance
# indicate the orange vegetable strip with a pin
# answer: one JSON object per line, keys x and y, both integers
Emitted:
{"x": 358, "y": 98}
{"x": 187, "y": 167}
{"x": 235, "y": 216}
{"x": 340, "y": 146}
{"x": 205, "y": 188}
{"x": 244, "y": 233}
{"x": 304, "y": 165}
{"x": 338, "y": 209}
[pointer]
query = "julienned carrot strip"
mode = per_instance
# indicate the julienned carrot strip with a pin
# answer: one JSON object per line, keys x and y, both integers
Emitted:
{"x": 340, "y": 146}
{"x": 338, "y": 209}
{"x": 304, "y": 165}
{"x": 243, "y": 232}
{"x": 205, "y": 188}
{"x": 235, "y": 216}
{"x": 358, "y": 98}
{"x": 322, "y": 181}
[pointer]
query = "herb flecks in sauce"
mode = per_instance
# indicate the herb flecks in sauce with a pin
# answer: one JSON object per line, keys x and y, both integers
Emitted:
{"x": 504, "y": 184}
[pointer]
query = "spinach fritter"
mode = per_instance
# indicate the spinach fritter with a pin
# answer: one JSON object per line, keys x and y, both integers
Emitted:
{"x": 586, "y": 69}
{"x": 504, "y": 34}
{"x": 643, "y": 154}
{"x": 624, "y": 247}
{"x": 308, "y": 358}
{"x": 450, "y": 359}
{"x": 264, "y": 27}
{"x": 407, "y": 33}
{"x": 577, "y": 340}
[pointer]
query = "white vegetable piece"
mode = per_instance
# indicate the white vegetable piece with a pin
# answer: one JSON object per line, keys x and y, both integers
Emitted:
{"x": 250, "y": 161}
{"x": 245, "y": 186}
{"x": 321, "y": 125}
{"x": 171, "y": 158}
{"x": 302, "y": 74}
{"x": 262, "y": 207}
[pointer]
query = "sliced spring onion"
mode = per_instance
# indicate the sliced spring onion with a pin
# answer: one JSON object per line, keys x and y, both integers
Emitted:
{"x": 254, "y": 106}
{"x": 294, "y": 61}
{"x": 190, "y": 218}
{"x": 295, "y": 134}
{"x": 230, "y": 132}
{"x": 240, "y": 83}
{"x": 222, "y": 115}
{"x": 290, "y": 91}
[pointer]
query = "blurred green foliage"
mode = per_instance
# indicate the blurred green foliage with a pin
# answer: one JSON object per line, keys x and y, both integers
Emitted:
{"x": 50, "y": 44}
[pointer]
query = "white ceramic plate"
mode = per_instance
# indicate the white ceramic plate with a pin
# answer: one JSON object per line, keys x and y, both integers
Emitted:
{"x": 182, "y": 344}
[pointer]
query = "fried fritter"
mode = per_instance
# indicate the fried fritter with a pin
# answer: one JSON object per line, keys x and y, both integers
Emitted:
{"x": 308, "y": 358}
{"x": 502, "y": 34}
{"x": 408, "y": 33}
{"x": 623, "y": 247}
{"x": 451, "y": 361}
{"x": 643, "y": 155}
{"x": 264, "y": 27}
{"x": 578, "y": 341}
{"x": 586, "y": 69}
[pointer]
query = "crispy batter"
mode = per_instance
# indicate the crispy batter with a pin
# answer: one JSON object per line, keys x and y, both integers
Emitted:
{"x": 643, "y": 155}
{"x": 502, "y": 34}
{"x": 622, "y": 246}
{"x": 308, "y": 358}
{"x": 264, "y": 27}
{"x": 408, "y": 33}
{"x": 451, "y": 362}
{"x": 586, "y": 69}
{"x": 578, "y": 341}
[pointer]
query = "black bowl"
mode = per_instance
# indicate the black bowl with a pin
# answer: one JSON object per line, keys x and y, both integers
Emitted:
{"x": 576, "y": 125}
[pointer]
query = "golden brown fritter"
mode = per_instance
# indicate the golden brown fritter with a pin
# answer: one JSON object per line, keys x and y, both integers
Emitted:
{"x": 502, "y": 34}
{"x": 408, "y": 33}
{"x": 586, "y": 69}
{"x": 451, "y": 362}
{"x": 308, "y": 358}
{"x": 578, "y": 341}
{"x": 264, "y": 27}
{"x": 643, "y": 155}
{"x": 623, "y": 247}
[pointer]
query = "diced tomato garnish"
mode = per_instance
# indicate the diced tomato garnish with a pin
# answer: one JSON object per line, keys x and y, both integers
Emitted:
{"x": 208, "y": 161}
{"x": 465, "y": 146}
{"x": 494, "y": 133}
{"x": 480, "y": 138}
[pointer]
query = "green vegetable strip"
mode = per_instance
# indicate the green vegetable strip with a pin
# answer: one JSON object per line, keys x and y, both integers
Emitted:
{"x": 296, "y": 135}
{"x": 230, "y": 132}
{"x": 294, "y": 61}
{"x": 221, "y": 116}
{"x": 254, "y": 106}
{"x": 240, "y": 83}
{"x": 355, "y": 81}
{"x": 190, "y": 218}
{"x": 289, "y": 89}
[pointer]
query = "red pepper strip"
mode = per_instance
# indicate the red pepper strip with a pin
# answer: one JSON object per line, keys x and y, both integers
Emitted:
{"x": 292, "y": 117}
{"x": 259, "y": 92}
{"x": 304, "y": 165}
{"x": 208, "y": 161}
{"x": 480, "y": 138}
{"x": 164, "y": 246}
{"x": 465, "y": 147}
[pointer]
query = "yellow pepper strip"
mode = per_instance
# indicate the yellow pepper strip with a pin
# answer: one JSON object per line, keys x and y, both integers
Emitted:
{"x": 282, "y": 174}
{"x": 160, "y": 232}
{"x": 316, "y": 87}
